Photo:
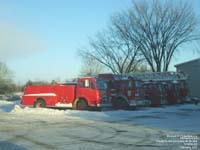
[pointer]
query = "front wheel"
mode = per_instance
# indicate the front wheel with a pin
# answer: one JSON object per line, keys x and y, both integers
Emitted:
{"x": 82, "y": 105}
{"x": 40, "y": 103}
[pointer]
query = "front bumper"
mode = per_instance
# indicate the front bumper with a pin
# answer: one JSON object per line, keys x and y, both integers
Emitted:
{"x": 143, "y": 102}
{"x": 132, "y": 103}
{"x": 104, "y": 105}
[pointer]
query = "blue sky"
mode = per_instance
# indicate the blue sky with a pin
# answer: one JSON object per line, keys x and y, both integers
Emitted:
{"x": 39, "y": 38}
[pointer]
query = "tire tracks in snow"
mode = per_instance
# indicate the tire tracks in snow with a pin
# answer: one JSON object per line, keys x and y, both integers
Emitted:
{"x": 107, "y": 135}
{"x": 31, "y": 140}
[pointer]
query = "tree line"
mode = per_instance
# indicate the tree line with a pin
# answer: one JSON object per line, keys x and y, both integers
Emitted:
{"x": 6, "y": 83}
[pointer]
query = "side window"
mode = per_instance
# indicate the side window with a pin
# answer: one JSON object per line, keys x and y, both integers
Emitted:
{"x": 91, "y": 85}
{"x": 82, "y": 84}
{"x": 86, "y": 84}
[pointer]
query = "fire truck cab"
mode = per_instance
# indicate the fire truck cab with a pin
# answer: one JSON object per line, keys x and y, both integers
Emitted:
{"x": 123, "y": 90}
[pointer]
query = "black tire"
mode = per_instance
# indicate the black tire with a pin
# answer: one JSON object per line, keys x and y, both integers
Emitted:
{"x": 40, "y": 103}
{"x": 82, "y": 105}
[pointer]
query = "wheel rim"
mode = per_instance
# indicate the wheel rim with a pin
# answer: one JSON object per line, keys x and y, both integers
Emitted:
{"x": 40, "y": 105}
{"x": 80, "y": 107}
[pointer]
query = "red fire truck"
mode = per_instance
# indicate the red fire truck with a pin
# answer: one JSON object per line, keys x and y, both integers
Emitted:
{"x": 163, "y": 88}
{"x": 124, "y": 90}
{"x": 86, "y": 93}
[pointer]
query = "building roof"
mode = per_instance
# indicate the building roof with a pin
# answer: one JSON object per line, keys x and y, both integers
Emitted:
{"x": 190, "y": 61}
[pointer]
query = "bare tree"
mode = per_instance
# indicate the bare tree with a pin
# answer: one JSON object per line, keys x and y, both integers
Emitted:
{"x": 158, "y": 29}
{"x": 6, "y": 84}
{"x": 91, "y": 67}
{"x": 113, "y": 51}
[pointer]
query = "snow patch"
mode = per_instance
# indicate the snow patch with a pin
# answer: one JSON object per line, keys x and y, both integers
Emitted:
{"x": 37, "y": 111}
{"x": 7, "y": 106}
{"x": 3, "y": 102}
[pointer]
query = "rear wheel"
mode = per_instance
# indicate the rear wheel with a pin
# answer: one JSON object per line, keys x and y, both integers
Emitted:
{"x": 40, "y": 103}
{"x": 82, "y": 105}
{"x": 120, "y": 103}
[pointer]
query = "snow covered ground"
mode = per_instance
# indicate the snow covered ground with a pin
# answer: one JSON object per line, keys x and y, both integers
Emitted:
{"x": 169, "y": 127}
{"x": 178, "y": 117}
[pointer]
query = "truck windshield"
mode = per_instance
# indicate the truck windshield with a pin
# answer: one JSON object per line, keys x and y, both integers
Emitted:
{"x": 101, "y": 85}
